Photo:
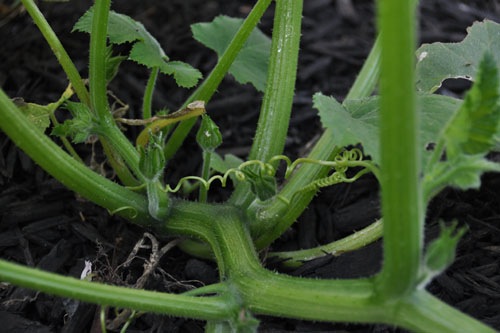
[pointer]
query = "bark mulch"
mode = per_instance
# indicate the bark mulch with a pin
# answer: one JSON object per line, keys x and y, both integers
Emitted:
{"x": 44, "y": 225}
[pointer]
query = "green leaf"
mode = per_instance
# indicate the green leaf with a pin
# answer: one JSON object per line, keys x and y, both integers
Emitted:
{"x": 250, "y": 66}
{"x": 146, "y": 49}
{"x": 185, "y": 75}
{"x": 441, "y": 252}
{"x": 80, "y": 127}
{"x": 262, "y": 185}
{"x": 440, "y": 61}
{"x": 356, "y": 121}
{"x": 463, "y": 172}
{"x": 112, "y": 64}
{"x": 38, "y": 115}
{"x": 472, "y": 129}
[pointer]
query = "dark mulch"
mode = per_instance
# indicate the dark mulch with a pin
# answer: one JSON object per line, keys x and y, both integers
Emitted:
{"x": 44, "y": 225}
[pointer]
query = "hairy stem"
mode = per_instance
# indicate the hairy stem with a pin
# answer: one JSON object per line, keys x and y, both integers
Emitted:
{"x": 268, "y": 293}
{"x": 147, "y": 101}
{"x": 352, "y": 242}
{"x": 322, "y": 150}
{"x": 59, "y": 51}
{"x": 204, "y": 308}
{"x": 274, "y": 118}
{"x": 97, "y": 63}
{"x": 401, "y": 194}
{"x": 107, "y": 127}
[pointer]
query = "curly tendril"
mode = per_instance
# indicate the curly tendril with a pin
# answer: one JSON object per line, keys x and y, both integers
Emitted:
{"x": 341, "y": 162}
{"x": 124, "y": 208}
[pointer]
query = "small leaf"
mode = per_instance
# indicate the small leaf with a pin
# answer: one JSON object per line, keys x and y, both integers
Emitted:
{"x": 440, "y": 61}
{"x": 112, "y": 64}
{"x": 38, "y": 115}
{"x": 463, "y": 172}
{"x": 146, "y": 49}
{"x": 473, "y": 127}
{"x": 441, "y": 252}
{"x": 250, "y": 66}
{"x": 356, "y": 121}
{"x": 80, "y": 127}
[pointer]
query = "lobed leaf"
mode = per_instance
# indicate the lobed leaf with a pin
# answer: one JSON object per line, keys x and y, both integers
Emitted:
{"x": 440, "y": 61}
{"x": 356, "y": 121}
{"x": 440, "y": 253}
{"x": 250, "y": 66}
{"x": 146, "y": 49}
{"x": 473, "y": 128}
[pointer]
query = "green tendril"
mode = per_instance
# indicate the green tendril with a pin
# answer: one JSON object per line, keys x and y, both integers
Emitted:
{"x": 346, "y": 159}
{"x": 122, "y": 209}
{"x": 335, "y": 178}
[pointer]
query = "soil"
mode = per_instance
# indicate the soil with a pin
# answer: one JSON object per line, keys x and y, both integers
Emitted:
{"x": 44, "y": 225}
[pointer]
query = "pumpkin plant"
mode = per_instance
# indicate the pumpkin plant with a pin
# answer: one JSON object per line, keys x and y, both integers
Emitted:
{"x": 394, "y": 130}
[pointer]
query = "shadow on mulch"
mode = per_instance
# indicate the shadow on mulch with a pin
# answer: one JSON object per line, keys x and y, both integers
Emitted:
{"x": 44, "y": 225}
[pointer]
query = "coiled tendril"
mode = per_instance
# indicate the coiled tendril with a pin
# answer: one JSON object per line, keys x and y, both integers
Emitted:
{"x": 341, "y": 162}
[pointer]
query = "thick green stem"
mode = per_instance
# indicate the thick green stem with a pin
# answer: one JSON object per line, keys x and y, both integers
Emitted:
{"x": 204, "y": 308}
{"x": 59, "y": 51}
{"x": 262, "y": 291}
{"x": 267, "y": 293}
{"x": 97, "y": 63}
{"x": 206, "y": 90}
{"x": 98, "y": 89}
{"x": 422, "y": 312}
{"x": 401, "y": 194}
{"x": 274, "y": 118}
